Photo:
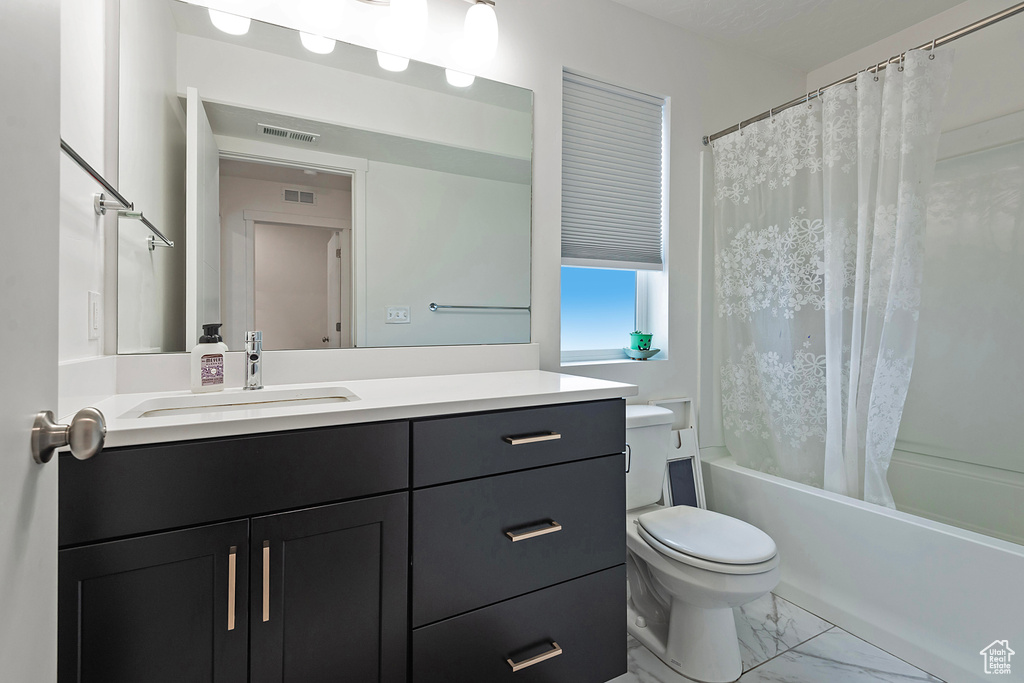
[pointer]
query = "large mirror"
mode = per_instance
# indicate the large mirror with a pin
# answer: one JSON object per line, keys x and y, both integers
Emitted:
{"x": 315, "y": 197}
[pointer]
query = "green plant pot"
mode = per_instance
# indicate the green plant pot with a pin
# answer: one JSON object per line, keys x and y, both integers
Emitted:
{"x": 639, "y": 342}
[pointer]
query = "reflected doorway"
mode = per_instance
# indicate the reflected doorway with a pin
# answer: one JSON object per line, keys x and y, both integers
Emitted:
{"x": 286, "y": 242}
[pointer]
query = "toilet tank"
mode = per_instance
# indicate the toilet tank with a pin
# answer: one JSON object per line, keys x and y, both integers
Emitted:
{"x": 648, "y": 438}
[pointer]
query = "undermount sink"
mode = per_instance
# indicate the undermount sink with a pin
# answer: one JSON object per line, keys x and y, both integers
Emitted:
{"x": 231, "y": 400}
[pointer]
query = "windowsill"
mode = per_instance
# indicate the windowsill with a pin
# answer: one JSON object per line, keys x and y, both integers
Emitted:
{"x": 610, "y": 361}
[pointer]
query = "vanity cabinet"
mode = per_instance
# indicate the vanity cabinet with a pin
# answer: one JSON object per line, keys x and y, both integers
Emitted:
{"x": 480, "y": 547}
{"x": 284, "y": 597}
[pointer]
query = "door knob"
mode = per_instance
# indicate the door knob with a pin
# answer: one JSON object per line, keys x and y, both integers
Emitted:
{"x": 84, "y": 435}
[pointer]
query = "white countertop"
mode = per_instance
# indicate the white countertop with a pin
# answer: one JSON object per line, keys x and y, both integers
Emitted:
{"x": 378, "y": 400}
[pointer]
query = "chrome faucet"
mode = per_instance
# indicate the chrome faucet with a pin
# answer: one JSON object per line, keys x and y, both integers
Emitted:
{"x": 253, "y": 360}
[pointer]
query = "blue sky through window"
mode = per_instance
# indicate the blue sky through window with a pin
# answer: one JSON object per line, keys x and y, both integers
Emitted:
{"x": 598, "y": 308}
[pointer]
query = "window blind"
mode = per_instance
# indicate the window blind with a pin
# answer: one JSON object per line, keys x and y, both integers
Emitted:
{"x": 611, "y": 175}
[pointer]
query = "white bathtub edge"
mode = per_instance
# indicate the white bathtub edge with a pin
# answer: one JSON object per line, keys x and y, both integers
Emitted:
{"x": 931, "y": 594}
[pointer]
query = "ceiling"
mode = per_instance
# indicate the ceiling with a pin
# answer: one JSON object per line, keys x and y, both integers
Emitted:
{"x": 240, "y": 122}
{"x": 283, "y": 175}
{"x": 802, "y": 34}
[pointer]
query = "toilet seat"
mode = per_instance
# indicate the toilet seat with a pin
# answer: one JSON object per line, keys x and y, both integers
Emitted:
{"x": 708, "y": 540}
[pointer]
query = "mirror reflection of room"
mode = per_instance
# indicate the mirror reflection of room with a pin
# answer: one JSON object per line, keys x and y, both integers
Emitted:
{"x": 286, "y": 237}
{"x": 438, "y": 186}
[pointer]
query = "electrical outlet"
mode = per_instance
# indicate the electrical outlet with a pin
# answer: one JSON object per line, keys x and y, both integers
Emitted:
{"x": 95, "y": 316}
{"x": 397, "y": 315}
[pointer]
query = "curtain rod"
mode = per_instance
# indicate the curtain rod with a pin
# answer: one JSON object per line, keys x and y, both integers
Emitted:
{"x": 931, "y": 45}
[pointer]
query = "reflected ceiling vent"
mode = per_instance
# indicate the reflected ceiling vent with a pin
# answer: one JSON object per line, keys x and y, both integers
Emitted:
{"x": 299, "y": 196}
{"x": 288, "y": 133}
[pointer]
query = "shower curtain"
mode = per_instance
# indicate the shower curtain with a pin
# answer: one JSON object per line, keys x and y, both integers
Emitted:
{"x": 819, "y": 218}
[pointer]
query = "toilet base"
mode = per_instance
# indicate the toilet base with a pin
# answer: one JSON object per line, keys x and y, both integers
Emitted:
{"x": 698, "y": 643}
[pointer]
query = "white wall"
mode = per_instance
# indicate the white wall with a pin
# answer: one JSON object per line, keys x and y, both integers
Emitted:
{"x": 989, "y": 66}
{"x": 421, "y": 222}
{"x": 709, "y": 87}
{"x": 83, "y": 125}
{"x": 151, "y": 291}
{"x": 238, "y": 195}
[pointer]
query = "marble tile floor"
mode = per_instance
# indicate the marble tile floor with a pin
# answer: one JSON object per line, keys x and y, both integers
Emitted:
{"x": 782, "y": 643}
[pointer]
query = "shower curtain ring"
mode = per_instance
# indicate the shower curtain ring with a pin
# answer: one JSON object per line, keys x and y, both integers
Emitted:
{"x": 902, "y": 55}
{"x": 877, "y": 67}
{"x": 739, "y": 127}
{"x": 931, "y": 55}
{"x": 809, "y": 105}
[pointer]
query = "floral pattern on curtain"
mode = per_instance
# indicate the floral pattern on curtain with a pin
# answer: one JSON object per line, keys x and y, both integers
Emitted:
{"x": 819, "y": 219}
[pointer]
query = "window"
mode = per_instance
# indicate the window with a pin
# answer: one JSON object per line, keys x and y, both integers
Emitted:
{"x": 598, "y": 309}
{"x": 613, "y": 208}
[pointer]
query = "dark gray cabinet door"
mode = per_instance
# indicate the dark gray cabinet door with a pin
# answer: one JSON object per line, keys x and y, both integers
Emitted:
{"x": 165, "y": 608}
{"x": 329, "y": 589}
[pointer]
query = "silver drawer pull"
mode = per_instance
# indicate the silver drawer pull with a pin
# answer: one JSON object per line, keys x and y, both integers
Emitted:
{"x": 552, "y": 527}
{"x": 532, "y": 438}
{"x": 266, "y": 580}
{"x": 231, "y": 586}
{"x": 553, "y": 652}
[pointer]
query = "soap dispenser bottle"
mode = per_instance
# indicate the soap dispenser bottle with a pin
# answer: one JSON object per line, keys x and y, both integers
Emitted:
{"x": 208, "y": 360}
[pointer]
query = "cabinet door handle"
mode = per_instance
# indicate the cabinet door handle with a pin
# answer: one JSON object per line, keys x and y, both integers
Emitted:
{"x": 553, "y": 652}
{"x": 266, "y": 580}
{"x": 232, "y": 563}
{"x": 552, "y": 527}
{"x": 532, "y": 438}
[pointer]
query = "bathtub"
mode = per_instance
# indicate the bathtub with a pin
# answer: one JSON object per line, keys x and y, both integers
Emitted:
{"x": 931, "y": 594}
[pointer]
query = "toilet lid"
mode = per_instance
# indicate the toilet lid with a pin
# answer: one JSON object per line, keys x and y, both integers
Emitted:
{"x": 708, "y": 535}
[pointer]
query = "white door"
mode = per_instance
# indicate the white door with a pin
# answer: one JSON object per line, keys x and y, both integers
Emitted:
{"x": 202, "y": 220}
{"x": 29, "y": 193}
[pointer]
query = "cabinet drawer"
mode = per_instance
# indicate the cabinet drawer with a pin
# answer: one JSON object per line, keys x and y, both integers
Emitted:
{"x": 463, "y": 557}
{"x": 453, "y": 448}
{"x": 586, "y": 617}
{"x": 125, "y": 491}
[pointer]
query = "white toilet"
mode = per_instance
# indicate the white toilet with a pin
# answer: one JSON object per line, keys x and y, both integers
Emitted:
{"x": 687, "y": 567}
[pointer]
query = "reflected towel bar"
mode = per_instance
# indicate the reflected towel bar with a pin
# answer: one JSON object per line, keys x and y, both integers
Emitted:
{"x": 126, "y": 206}
{"x": 434, "y": 307}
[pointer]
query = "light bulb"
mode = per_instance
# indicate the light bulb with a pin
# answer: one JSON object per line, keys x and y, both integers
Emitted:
{"x": 458, "y": 79}
{"x": 230, "y": 23}
{"x": 392, "y": 62}
{"x": 317, "y": 44}
{"x": 481, "y": 33}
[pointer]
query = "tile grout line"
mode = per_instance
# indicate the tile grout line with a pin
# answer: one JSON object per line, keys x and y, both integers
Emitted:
{"x": 779, "y": 654}
{"x": 910, "y": 664}
{"x": 844, "y": 631}
{"x": 803, "y": 609}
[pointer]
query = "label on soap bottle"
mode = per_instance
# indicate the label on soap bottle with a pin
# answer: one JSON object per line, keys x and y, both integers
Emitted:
{"x": 211, "y": 369}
